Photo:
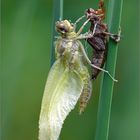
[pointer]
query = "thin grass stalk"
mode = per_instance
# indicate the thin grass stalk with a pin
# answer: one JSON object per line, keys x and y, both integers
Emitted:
{"x": 106, "y": 91}
{"x": 57, "y": 15}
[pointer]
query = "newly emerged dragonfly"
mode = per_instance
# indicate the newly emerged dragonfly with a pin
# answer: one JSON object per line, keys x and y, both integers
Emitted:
{"x": 68, "y": 80}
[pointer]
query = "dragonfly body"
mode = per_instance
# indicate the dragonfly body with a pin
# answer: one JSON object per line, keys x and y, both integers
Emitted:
{"x": 68, "y": 81}
{"x": 72, "y": 57}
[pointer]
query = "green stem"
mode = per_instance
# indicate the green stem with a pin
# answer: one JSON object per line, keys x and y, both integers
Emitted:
{"x": 106, "y": 92}
{"x": 57, "y": 15}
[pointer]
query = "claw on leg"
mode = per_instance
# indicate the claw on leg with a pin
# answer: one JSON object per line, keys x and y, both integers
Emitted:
{"x": 115, "y": 37}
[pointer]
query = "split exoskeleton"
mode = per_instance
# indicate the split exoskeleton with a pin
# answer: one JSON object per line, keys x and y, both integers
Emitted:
{"x": 100, "y": 38}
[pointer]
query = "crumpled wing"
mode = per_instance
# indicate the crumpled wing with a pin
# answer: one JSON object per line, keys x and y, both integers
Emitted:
{"x": 60, "y": 97}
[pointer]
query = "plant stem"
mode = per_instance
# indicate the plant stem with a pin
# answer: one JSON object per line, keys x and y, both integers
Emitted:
{"x": 57, "y": 15}
{"x": 106, "y": 92}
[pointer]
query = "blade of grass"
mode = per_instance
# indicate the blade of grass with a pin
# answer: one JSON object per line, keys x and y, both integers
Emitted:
{"x": 57, "y": 15}
{"x": 106, "y": 92}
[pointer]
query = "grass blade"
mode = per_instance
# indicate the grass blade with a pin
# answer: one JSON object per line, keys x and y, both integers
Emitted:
{"x": 106, "y": 92}
{"x": 57, "y": 15}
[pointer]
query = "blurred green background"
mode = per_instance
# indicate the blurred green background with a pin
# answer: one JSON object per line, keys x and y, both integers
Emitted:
{"x": 25, "y": 62}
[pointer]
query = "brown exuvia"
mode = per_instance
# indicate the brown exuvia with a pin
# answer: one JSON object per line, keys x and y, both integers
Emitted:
{"x": 100, "y": 38}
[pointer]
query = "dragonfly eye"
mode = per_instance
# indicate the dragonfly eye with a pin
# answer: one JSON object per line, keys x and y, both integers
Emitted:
{"x": 63, "y": 29}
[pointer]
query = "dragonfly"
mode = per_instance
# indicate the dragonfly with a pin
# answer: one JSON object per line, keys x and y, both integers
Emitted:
{"x": 68, "y": 81}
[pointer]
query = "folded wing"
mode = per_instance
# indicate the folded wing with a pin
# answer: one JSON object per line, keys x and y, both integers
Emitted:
{"x": 62, "y": 91}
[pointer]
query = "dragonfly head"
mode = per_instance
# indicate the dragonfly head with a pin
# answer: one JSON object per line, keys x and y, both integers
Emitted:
{"x": 64, "y": 27}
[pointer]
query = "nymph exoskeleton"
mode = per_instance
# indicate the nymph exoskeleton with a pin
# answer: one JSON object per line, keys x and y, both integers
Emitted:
{"x": 100, "y": 37}
{"x": 68, "y": 79}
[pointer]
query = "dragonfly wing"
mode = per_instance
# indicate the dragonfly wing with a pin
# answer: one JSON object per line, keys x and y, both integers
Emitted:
{"x": 58, "y": 102}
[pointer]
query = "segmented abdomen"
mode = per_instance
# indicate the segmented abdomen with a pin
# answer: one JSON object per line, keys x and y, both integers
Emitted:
{"x": 98, "y": 59}
{"x": 86, "y": 94}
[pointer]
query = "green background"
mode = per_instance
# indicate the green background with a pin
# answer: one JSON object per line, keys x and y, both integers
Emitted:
{"x": 26, "y": 28}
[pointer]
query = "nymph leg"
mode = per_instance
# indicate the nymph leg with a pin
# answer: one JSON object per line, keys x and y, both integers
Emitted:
{"x": 94, "y": 66}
